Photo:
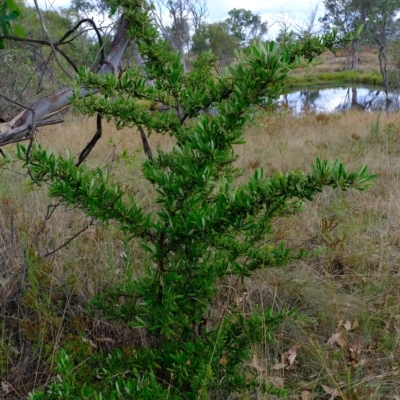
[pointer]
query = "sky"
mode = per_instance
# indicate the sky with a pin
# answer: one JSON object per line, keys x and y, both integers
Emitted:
{"x": 295, "y": 11}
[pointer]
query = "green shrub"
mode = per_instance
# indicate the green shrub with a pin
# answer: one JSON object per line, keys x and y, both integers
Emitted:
{"x": 204, "y": 226}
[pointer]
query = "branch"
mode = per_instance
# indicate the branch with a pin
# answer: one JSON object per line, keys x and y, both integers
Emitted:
{"x": 49, "y": 253}
{"x": 91, "y": 22}
{"x": 146, "y": 146}
{"x": 39, "y": 13}
{"x": 89, "y": 147}
{"x": 44, "y": 43}
{"x": 17, "y": 129}
{"x": 31, "y": 133}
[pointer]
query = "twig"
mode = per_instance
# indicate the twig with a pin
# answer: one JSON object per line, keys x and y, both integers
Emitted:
{"x": 39, "y": 13}
{"x": 44, "y": 43}
{"x": 49, "y": 253}
{"x": 99, "y": 39}
{"x": 89, "y": 147}
{"x": 146, "y": 146}
{"x": 50, "y": 211}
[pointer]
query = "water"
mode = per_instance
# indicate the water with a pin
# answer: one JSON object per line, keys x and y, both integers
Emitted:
{"x": 327, "y": 100}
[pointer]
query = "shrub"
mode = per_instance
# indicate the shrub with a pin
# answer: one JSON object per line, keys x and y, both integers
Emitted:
{"x": 204, "y": 227}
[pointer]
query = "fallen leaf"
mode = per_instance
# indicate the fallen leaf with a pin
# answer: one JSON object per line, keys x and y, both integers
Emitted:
{"x": 90, "y": 342}
{"x": 255, "y": 364}
{"x": 6, "y": 387}
{"x": 279, "y": 366}
{"x": 356, "y": 348}
{"x": 339, "y": 339}
{"x": 362, "y": 362}
{"x": 224, "y": 359}
{"x": 356, "y": 323}
{"x": 292, "y": 354}
{"x": 347, "y": 325}
{"x": 14, "y": 350}
{"x": 305, "y": 395}
{"x": 330, "y": 391}
{"x": 308, "y": 386}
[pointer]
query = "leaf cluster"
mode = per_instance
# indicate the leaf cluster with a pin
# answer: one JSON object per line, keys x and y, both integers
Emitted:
{"x": 9, "y": 13}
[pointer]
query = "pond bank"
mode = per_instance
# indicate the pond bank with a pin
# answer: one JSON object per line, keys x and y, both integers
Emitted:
{"x": 333, "y": 78}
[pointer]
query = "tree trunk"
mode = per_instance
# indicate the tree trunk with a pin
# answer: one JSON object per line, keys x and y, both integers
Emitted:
{"x": 354, "y": 55}
{"x": 383, "y": 68}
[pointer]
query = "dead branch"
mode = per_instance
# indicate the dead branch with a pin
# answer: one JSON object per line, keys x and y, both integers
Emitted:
{"x": 18, "y": 128}
{"x": 39, "y": 13}
{"x": 89, "y": 147}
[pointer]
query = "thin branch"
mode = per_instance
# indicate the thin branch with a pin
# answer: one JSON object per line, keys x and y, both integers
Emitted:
{"x": 39, "y": 13}
{"x": 146, "y": 146}
{"x": 44, "y": 43}
{"x": 49, "y": 253}
{"x": 95, "y": 58}
{"x": 99, "y": 39}
{"x": 90, "y": 146}
{"x": 50, "y": 210}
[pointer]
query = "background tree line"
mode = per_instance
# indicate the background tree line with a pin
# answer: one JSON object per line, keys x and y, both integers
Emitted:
{"x": 28, "y": 68}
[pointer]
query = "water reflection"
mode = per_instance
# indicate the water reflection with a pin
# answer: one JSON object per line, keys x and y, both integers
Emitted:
{"x": 325, "y": 100}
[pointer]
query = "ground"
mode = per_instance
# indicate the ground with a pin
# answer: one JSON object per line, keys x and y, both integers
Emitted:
{"x": 345, "y": 342}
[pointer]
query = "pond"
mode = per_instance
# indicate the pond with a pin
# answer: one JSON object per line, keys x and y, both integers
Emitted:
{"x": 326, "y": 100}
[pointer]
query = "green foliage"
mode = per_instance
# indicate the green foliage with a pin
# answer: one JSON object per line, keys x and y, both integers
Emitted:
{"x": 204, "y": 226}
{"x": 10, "y": 12}
{"x": 246, "y": 26}
{"x": 216, "y": 38}
{"x": 334, "y": 78}
{"x": 310, "y": 46}
{"x": 127, "y": 374}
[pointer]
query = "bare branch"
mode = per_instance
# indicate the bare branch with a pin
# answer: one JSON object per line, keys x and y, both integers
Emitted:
{"x": 31, "y": 135}
{"x": 146, "y": 146}
{"x": 49, "y": 253}
{"x": 89, "y": 147}
{"x": 44, "y": 43}
{"x": 39, "y": 13}
{"x": 17, "y": 129}
{"x": 99, "y": 39}
{"x": 308, "y": 26}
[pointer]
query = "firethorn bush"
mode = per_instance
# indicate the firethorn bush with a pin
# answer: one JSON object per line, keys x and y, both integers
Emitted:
{"x": 203, "y": 228}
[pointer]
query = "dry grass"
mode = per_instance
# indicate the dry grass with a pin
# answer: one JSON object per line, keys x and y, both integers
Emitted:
{"x": 368, "y": 62}
{"x": 352, "y": 274}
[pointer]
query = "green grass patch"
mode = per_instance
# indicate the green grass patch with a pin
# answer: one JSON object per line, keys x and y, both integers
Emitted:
{"x": 335, "y": 78}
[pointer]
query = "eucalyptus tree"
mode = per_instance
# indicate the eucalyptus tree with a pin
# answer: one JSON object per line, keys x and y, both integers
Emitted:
{"x": 186, "y": 16}
{"x": 374, "y": 21}
{"x": 215, "y": 37}
{"x": 348, "y": 17}
{"x": 383, "y": 26}
{"x": 246, "y": 26}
